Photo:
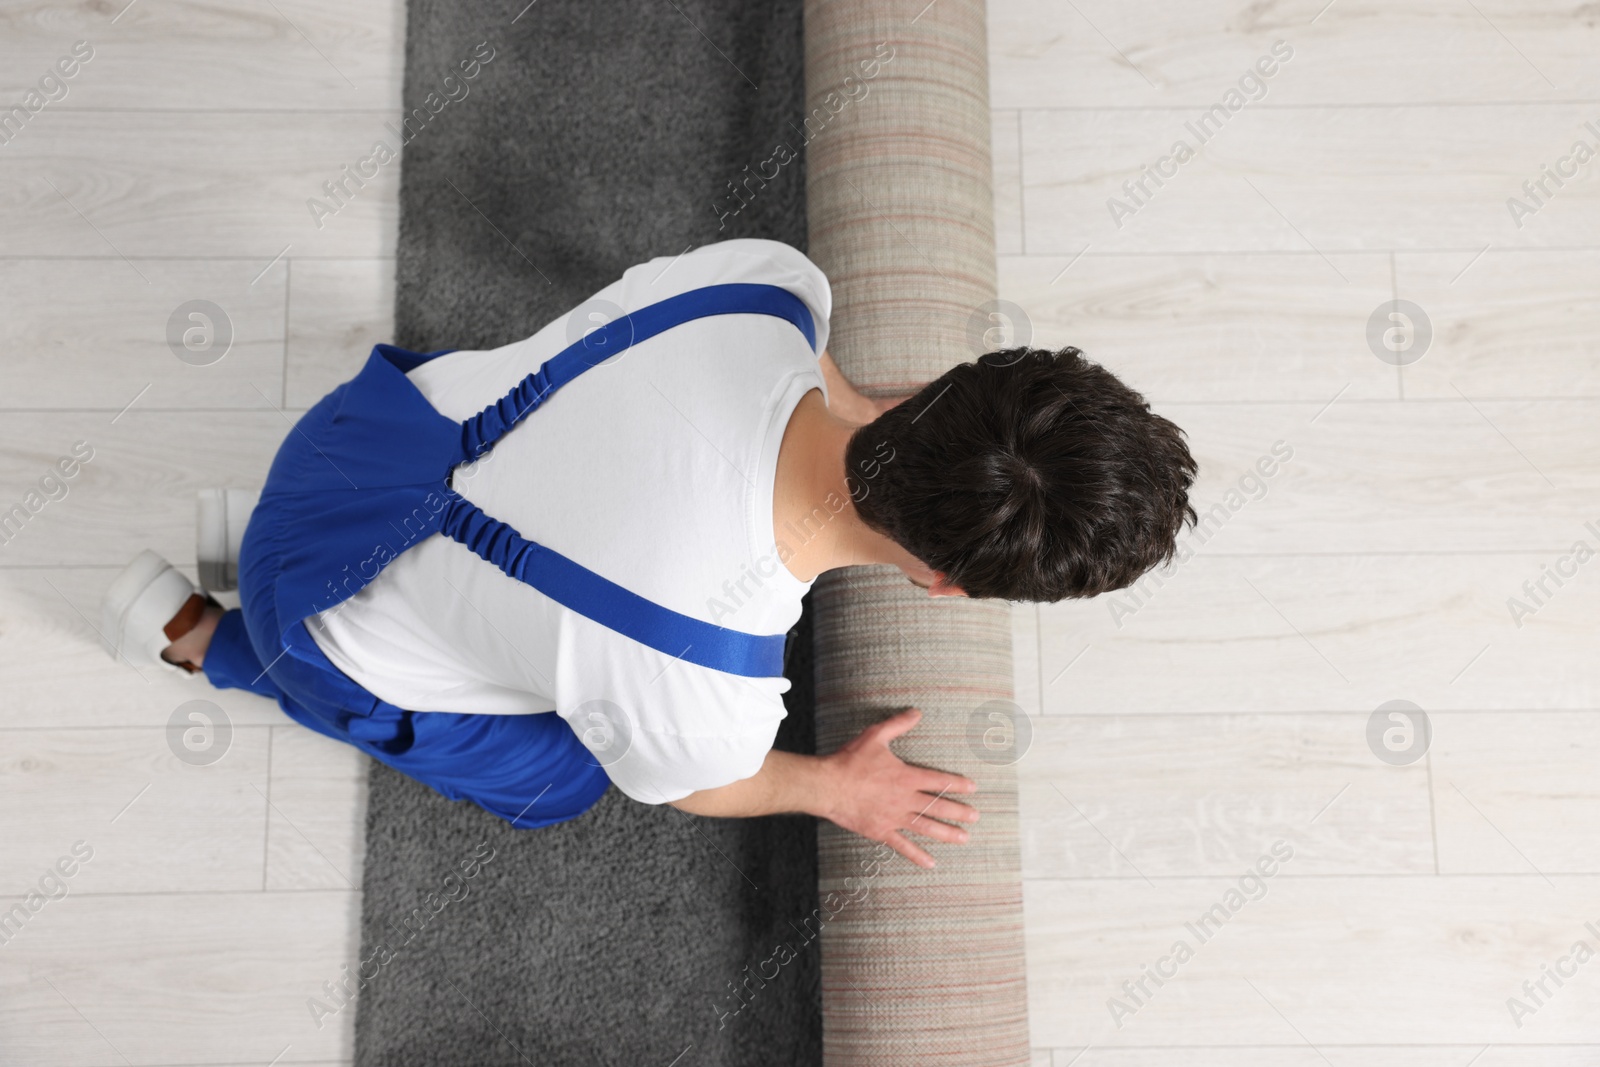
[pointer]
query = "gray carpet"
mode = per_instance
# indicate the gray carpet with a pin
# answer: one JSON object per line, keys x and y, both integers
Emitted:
{"x": 600, "y": 134}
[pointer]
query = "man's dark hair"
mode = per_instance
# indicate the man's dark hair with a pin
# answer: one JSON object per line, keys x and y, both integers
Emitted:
{"x": 1027, "y": 475}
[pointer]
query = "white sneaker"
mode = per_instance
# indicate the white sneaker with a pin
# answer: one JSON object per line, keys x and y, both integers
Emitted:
{"x": 146, "y": 596}
{"x": 220, "y": 519}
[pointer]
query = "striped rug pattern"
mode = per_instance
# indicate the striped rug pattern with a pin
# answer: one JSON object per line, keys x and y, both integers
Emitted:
{"x": 918, "y": 967}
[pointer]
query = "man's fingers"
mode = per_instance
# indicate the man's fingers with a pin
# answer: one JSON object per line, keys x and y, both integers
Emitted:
{"x": 939, "y": 831}
{"x": 931, "y": 781}
{"x": 951, "y": 811}
{"x": 898, "y": 842}
{"x": 889, "y": 729}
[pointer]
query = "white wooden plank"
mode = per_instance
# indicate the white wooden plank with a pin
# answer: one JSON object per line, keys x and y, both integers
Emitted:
{"x": 1025, "y": 656}
{"x": 1321, "y": 633}
{"x": 184, "y": 56}
{"x": 1420, "y": 961}
{"x": 1153, "y": 796}
{"x": 1269, "y": 327}
{"x": 138, "y": 489}
{"x": 315, "y": 827}
{"x": 55, "y": 673}
{"x": 1100, "y": 54}
{"x": 177, "y": 978}
{"x": 1205, "y": 327}
{"x": 1512, "y": 324}
{"x": 1516, "y": 792}
{"x": 1314, "y": 179}
{"x": 154, "y": 822}
{"x": 1338, "y": 1055}
{"x": 113, "y": 195}
{"x": 91, "y": 333}
{"x": 338, "y": 309}
{"x": 105, "y": 183}
{"x": 1461, "y": 475}
{"x": 1005, "y": 131}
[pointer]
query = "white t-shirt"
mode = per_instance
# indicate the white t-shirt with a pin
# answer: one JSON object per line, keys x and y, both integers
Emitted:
{"x": 656, "y": 471}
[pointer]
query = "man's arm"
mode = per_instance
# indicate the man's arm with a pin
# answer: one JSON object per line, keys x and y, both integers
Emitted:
{"x": 846, "y": 401}
{"x": 864, "y": 787}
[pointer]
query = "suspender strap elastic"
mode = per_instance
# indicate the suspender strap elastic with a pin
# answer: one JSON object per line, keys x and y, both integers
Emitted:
{"x": 479, "y": 433}
{"x": 569, "y": 583}
{"x": 608, "y": 603}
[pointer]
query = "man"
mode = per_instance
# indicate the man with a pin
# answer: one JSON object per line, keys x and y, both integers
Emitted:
{"x": 674, "y": 483}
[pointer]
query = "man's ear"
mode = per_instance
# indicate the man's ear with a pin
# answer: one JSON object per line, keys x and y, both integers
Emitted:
{"x": 941, "y": 587}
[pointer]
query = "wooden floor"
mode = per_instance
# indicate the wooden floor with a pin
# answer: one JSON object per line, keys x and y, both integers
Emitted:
{"x": 1178, "y": 735}
{"x": 219, "y": 896}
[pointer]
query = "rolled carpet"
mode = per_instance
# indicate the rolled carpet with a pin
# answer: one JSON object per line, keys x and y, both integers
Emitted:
{"x": 921, "y": 967}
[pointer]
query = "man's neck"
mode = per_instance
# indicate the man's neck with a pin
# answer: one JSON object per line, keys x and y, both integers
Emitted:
{"x": 814, "y": 521}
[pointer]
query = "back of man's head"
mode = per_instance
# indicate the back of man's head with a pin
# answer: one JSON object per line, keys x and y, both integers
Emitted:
{"x": 1027, "y": 475}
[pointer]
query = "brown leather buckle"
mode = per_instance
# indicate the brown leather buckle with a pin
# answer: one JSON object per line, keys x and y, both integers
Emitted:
{"x": 187, "y": 618}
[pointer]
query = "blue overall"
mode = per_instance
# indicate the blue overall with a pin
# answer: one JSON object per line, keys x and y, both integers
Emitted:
{"x": 373, "y": 458}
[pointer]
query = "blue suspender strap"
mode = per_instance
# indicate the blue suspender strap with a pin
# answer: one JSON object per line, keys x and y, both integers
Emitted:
{"x": 609, "y": 604}
{"x": 479, "y": 433}
{"x": 569, "y": 583}
{"x": 369, "y": 466}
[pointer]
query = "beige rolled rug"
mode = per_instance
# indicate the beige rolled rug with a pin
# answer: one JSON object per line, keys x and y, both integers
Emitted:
{"x": 928, "y": 966}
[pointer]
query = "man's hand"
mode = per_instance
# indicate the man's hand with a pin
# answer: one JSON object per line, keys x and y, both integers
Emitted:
{"x": 863, "y": 787}
{"x": 880, "y": 797}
